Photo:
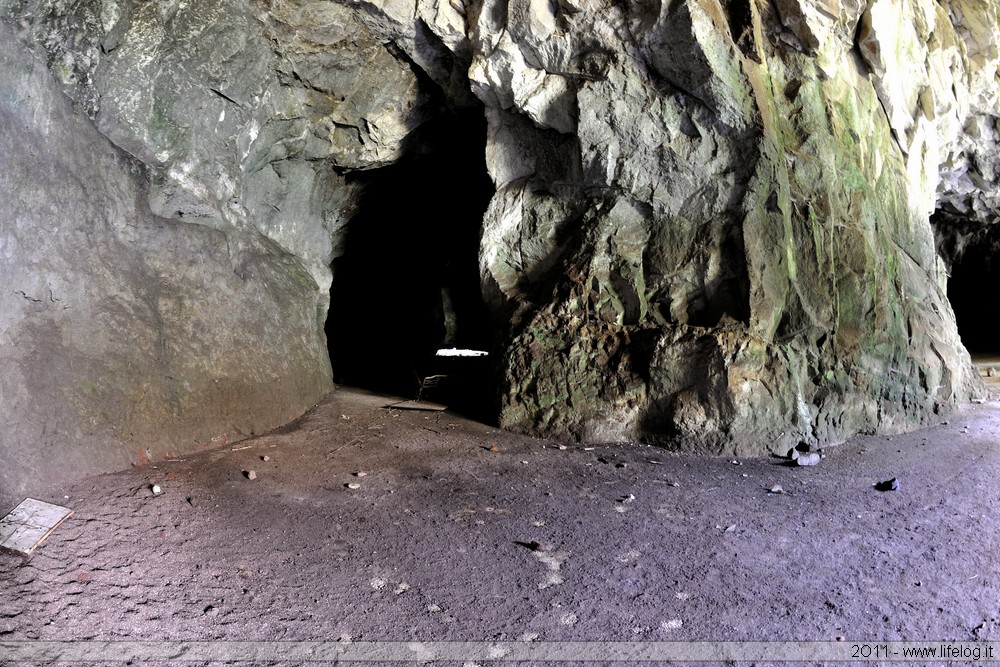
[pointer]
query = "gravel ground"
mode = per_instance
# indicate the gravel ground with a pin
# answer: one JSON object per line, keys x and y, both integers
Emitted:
{"x": 458, "y": 531}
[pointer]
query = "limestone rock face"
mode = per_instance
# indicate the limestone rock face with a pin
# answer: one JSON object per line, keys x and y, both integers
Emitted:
{"x": 244, "y": 120}
{"x": 711, "y": 225}
{"x": 125, "y": 336}
{"x": 936, "y": 75}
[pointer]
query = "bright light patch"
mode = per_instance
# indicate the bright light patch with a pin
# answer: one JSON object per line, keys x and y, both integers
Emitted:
{"x": 455, "y": 352}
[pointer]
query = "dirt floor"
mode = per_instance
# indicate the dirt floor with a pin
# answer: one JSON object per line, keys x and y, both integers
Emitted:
{"x": 457, "y": 531}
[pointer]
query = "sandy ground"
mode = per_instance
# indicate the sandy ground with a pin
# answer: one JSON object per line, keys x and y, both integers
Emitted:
{"x": 458, "y": 531}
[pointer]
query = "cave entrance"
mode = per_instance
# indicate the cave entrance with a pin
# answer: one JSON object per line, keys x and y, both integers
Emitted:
{"x": 407, "y": 283}
{"x": 975, "y": 277}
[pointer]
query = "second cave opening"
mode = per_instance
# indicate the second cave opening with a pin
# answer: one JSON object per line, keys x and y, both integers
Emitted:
{"x": 407, "y": 283}
{"x": 975, "y": 277}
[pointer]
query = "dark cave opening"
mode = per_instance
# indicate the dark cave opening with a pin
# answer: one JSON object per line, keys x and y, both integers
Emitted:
{"x": 975, "y": 276}
{"x": 407, "y": 283}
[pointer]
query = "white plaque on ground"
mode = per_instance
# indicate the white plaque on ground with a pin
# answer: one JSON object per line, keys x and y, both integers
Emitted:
{"x": 29, "y": 524}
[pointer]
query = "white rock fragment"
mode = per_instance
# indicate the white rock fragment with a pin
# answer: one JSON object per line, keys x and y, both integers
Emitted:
{"x": 808, "y": 459}
{"x": 672, "y": 624}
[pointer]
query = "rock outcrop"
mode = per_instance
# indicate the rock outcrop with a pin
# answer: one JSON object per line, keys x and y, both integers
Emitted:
{"x": 711, "y": 220}
{"x": 125, "y": 336}
{"x": 717, "y": 236}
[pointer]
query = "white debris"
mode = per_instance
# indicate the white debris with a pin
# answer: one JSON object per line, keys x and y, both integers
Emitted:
{"x": 672, "y": 624}
{"x": 455, "y": 352}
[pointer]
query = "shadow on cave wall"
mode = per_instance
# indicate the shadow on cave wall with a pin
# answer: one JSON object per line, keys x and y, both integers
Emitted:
{"x": 408, "y": 280}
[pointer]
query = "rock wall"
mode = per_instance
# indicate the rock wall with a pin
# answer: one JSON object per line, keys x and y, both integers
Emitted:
{"x": 125, "y": 336}
{"x": 710, "y": 226}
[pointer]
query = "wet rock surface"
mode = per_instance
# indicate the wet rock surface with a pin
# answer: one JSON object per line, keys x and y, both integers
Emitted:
{"x": 463, "y": 532}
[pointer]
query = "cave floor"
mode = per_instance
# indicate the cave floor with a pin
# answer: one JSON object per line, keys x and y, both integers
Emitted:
{"x": 460, "y": 531}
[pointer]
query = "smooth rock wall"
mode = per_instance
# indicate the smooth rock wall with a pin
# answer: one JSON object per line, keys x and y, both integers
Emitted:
{"x": 126, "y": 337}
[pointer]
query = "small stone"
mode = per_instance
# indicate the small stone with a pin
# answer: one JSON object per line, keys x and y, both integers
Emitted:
{"x": 494, "y": 447}
{"x": 776, "y": 490}
{"x": 265, "y": 457}
{"x": 793, "y": 453}
{"x": 621, "y": 465}
{"x": 841, "y": 638}
{"x": 736, "y": 463}
{"x": 730, "y": 529}
{"x": 156, "y": 489}
{"x": 211, "y": 610}
{"x": 630, "y": 498}
{"x": 433, "y": 608}
{"x": 562, "y": 447}
{"x": 808, "y": 459}
{"x": 250, "y": 474}
{"x": 353, "y": 485}
{"x": 361, "y": 473}
{"x": 888, "y": 485}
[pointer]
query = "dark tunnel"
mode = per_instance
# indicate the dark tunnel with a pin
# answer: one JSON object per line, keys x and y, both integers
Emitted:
{"x": 974, "y": 278}
{"x": 407, "y": 282}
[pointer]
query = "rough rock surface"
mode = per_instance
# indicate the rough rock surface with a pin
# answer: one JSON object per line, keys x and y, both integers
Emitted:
{"x": 711, "y": 225}
{"x": 126, "y": 336}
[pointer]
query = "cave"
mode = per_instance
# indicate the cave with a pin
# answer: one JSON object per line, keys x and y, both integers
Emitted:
{"x": 719, "y": 266}
{"x": 974, "y": 276}
{"x": 409, "y": 273}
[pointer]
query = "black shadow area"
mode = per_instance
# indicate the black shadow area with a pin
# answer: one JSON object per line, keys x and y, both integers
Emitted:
{"x": 408, "y": 280}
